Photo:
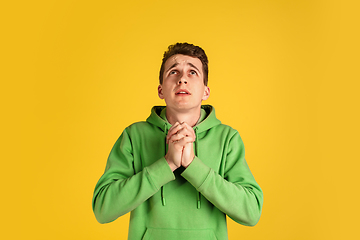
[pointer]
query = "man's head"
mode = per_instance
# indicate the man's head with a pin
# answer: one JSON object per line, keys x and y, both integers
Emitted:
{"x": 188, "y": 50}
{"x": 183, "y": 77}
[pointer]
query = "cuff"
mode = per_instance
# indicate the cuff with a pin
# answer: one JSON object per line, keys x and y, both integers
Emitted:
{"x": 160, "y": 173}
{"x": 196, "y": 173}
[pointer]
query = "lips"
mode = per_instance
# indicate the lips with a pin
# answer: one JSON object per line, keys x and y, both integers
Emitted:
{"x": 182, "y": 92}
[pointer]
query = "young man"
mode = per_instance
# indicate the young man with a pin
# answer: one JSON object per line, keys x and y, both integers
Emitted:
{"x": 182, "y": 171}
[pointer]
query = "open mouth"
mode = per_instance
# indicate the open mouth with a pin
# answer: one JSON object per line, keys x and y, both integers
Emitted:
{"x": 182, "y": 92}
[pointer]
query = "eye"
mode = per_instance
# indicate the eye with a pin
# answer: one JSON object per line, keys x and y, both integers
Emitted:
{"x": 193, "y": 72}
{"x": 173, "y": 72}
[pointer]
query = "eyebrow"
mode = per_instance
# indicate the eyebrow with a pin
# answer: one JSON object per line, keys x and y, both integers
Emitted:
{"x": 193, "y": 66}
{"x": 175, "y": 64}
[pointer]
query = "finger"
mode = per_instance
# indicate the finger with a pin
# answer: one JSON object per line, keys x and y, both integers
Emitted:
{"x": 175, "y": 125}
{"x": 176, "y": 137}
{"x": 188, "y": 128}
{"x": 187, "y": 132}
{"x": 182, "y": 141}
{"x": 174, "y": 130}
{"x": 169, "y": 133}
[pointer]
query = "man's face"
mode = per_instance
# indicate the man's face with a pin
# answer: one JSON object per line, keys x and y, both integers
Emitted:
{"x": 183, "y": 83}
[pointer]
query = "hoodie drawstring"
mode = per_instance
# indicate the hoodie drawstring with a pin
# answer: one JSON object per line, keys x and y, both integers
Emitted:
{"x": 162, "y": 196}
{"x": 166, "y": 148}
{"x": 199, "y": 200}
{"x": 197, "y": 154}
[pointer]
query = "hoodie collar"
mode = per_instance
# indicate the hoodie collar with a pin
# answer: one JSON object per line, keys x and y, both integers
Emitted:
{"x": 207, "y": 118}
{"x": 203, "y": 115}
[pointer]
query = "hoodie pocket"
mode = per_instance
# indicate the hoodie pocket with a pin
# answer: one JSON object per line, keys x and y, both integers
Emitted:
{"x": 179, "y": 234}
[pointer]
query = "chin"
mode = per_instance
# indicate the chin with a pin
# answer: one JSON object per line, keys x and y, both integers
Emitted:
{"x": 186, "y": 107}
{"x": 183, "y": 105}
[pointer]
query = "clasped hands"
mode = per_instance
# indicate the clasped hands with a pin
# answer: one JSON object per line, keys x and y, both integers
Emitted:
{"x": 180, "y": 139}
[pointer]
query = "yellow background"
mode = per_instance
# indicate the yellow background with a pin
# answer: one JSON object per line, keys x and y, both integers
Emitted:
{"x": 285, "y": 74}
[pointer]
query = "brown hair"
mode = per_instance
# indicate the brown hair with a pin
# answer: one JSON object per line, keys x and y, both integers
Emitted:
{"x": 189, "y": 50}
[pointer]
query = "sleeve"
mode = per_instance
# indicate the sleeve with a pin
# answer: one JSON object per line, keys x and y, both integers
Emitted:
{"x": 236, "y": 194}
{"x": 120, "y": 190}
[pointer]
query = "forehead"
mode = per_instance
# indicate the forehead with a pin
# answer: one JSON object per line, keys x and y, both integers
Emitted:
{"x": 181, "y": 60}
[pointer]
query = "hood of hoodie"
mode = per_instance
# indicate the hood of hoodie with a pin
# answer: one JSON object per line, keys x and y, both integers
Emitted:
{"x": 209, "y": 121}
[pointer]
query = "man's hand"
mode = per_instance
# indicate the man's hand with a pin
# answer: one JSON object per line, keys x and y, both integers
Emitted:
{"x": 174, "y": 153}
{"x": 188, "y": 155}
{"x": 180, "y": 139}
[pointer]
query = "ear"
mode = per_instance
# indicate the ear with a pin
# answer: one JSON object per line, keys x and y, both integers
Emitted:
{"x": 206, "y": 93}
{"x": 160, "y": 92}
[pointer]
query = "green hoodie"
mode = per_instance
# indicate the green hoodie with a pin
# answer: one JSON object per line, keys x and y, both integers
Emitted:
{"x": 189, "y": 203}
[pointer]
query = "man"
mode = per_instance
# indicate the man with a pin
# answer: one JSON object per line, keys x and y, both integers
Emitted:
{"x": 182, "y": 171}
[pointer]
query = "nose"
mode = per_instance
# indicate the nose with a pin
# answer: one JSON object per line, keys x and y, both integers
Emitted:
{"x": 182, "y": 80}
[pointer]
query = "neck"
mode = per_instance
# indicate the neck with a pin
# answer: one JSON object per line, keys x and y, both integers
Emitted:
{"x": 190, "y": 117}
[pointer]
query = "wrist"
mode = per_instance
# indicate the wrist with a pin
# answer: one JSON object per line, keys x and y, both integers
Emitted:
{"x": 172, "y": 166}
{"x": 185, "y": 165}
